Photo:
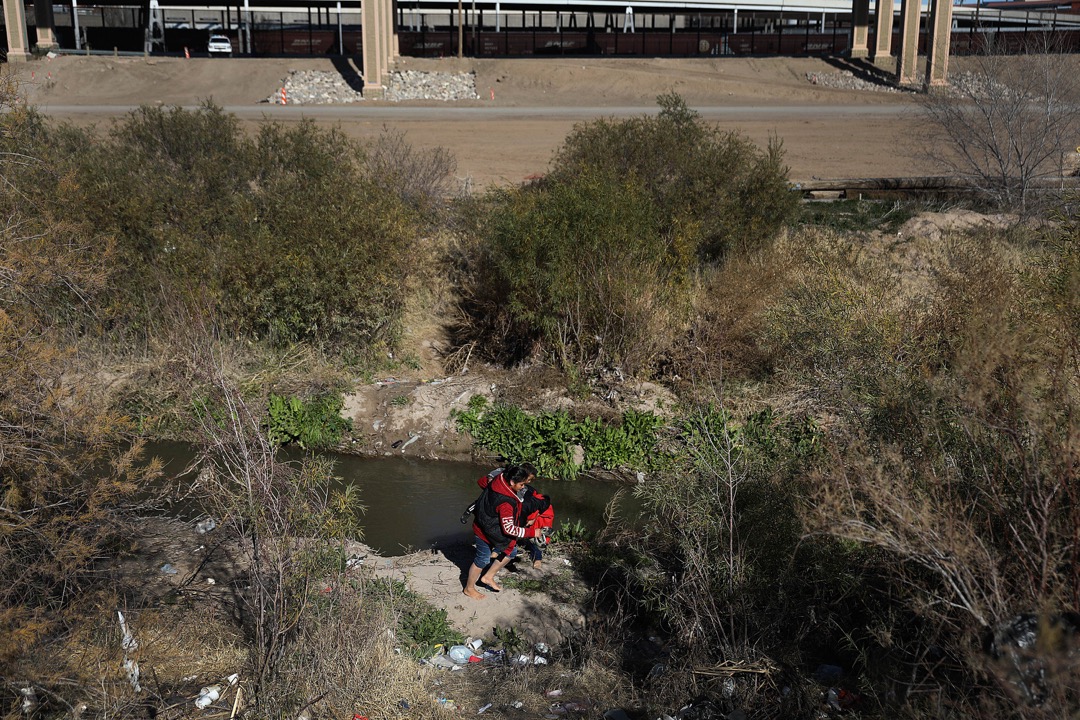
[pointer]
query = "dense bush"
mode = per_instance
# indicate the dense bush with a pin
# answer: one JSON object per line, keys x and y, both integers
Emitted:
{"x": 733, "y": 194}
{"x": 283, "y": 236}
{"x": 585, "y": 270}
{"x": 592, "y": 266}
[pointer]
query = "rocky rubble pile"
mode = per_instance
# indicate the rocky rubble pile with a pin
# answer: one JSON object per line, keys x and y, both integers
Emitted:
{"x": 847, "y": 80}
{"x": 417, "y": 85}
{"x": 317, "y": 87}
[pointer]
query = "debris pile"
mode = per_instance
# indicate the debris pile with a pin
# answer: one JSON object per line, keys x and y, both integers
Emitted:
{"x": 320, "y": 87}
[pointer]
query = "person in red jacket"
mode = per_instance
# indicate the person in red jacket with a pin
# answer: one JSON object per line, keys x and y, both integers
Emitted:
{"x": 540, "y": 516}
{"x": 499, "y": 524}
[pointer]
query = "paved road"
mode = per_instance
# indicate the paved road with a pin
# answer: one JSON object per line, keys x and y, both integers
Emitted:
{"x": 360, "y": 111}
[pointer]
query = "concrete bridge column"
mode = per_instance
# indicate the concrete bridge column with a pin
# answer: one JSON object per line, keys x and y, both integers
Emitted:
{"x": 17, "y": 38}
{"x": 860, "y": 28}
{"x": 377, "y": 36}
{"x": 937, "y": 61}
{"x": 883, "y": 21}
{"x": 43, "y": 18}
{"x": 907, "y": 60}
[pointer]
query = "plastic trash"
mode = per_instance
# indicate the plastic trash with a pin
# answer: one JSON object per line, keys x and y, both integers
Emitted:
{"x": 474, "y": 643}
{"x": 127, "y": 640}
{"x": 441, "y": 661}
{"x": 460, "y": 654}
{"x": 554, "y": 693}
{"x": 538, "y": 660}
{"x": 168, "y": 569}
{"x": 131, "y": 667}
{"x": 447, "y": 704}
{"x": 484, "y": 709}
{"x": 542, "y": 648}
{"x": 204, "y": 526}
{"x": 207, "y": 696}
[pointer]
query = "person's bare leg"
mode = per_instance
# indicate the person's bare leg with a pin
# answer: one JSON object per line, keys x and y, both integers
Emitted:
{"x": 470, "y": 583}
{"x": 489, "y": 574}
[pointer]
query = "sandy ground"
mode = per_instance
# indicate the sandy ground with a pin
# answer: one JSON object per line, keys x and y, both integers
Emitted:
{"x": 827, "y": 133}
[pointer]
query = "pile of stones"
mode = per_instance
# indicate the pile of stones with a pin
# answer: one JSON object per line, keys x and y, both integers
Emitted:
{"x": 847, "y": 80}
{"x": 319, "y": 87}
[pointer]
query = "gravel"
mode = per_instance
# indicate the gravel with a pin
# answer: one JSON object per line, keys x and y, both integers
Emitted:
{"x": 317, "y": 87}
{"x": 847, "y": 80}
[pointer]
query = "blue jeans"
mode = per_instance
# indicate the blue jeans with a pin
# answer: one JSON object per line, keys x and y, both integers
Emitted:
{"x": 484, "y": 552}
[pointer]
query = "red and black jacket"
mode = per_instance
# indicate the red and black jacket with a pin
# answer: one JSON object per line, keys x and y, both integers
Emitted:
{"x": 500, "y": 517}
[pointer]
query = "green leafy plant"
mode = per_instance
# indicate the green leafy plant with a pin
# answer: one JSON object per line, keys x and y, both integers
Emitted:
{"x": 428, "y": 628}
{"x": 311, "y": 424}
{"x": 509, "y": 638}
{"x": 568, "y": 532}
{"x": 548, "y": 439}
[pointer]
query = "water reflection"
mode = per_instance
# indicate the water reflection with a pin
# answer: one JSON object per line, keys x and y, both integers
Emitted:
{"x": 416, "y": 504}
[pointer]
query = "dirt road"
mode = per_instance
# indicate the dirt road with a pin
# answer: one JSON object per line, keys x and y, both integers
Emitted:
{"x": 826, "y": 133}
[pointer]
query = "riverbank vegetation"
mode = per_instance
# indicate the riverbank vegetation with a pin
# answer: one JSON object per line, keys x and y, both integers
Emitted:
{"x": 870, "y": 467}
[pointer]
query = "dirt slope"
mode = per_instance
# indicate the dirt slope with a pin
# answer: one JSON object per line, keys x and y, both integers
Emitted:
{"x": 758, "y": 97}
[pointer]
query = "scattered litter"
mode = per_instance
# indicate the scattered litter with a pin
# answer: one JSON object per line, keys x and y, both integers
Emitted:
{"x": 131, "y": 667}
{"x": 441, "y": 661}
{"x": 565, "y": 561}
{"x": 127, "y": 641}
{"x": 542, "y": 648}
{"x": 539, "y": 660}
{"x": 188, "y": 679}
{"x": 447, "y": 704}
{"x": 554, "y": 693}
{"x": 355, "y": 562}
{"x": 474, "y": 643}
{"x": 483, "y": 709}
{"x": 403, "y": 704}
{"x": 409, "y": 442}
{"x": 210, "y": 581}
{"x": 29, "y": 699}
{"x": 207, "y": 695}
{"x": 168, "y": 569}
{"x": 517, "y": 704}
{"x": 460, "y": 654}
{"x": 204, "y": 526}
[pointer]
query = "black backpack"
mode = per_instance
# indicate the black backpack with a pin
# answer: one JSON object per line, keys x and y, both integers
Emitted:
{"x": 472, "y": 508}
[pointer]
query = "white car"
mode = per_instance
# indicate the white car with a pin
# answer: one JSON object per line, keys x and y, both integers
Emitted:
{"x": 219, "y": 45}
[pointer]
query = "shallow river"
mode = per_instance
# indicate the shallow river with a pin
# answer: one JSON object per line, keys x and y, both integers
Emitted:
{"x": 415, "y": 504}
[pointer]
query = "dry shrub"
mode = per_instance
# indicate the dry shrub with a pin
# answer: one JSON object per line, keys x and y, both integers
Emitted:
{"x": 419, "y": 177}
{"x": 724, "y": 341}
{"x": 961, "y": 472}
{"x": 343, "y": 660}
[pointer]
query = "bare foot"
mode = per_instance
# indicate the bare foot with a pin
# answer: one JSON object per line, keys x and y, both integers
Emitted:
{"x": 474, "y": 594}
{"x": 536, "y": 564}
{"x": 491, "y": 584}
